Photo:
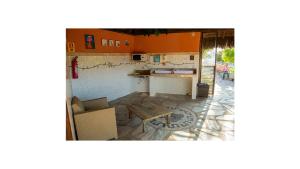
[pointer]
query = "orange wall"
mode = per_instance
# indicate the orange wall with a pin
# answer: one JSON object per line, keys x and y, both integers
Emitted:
{"x": 77, "y": 36}
{"x": 172, "y": 42}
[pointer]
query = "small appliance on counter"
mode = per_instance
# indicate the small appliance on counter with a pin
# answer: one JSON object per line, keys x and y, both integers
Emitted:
{"x": 138, "y": 57}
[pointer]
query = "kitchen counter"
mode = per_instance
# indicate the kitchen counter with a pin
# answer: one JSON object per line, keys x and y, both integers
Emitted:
{"x": 173, "y": 84}
{"x": 178, "y": 81}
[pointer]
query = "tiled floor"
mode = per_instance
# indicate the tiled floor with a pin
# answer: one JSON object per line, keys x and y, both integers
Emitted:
{"x": 209, "y": 118}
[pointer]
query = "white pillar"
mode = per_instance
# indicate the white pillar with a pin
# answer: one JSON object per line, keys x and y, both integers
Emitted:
{"x": 194, "y": 87}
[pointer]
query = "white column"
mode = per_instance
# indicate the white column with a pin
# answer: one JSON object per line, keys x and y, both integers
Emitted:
{"x": 194, "y": 87}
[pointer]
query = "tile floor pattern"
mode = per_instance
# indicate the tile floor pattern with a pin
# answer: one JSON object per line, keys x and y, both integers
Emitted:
{"x": 215, "y": 115}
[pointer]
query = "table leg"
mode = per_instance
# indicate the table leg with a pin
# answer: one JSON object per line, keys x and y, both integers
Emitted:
{"x": 143, "y": 126}
{"x": 129, "y": 114}
{"x": 167, "y": 119}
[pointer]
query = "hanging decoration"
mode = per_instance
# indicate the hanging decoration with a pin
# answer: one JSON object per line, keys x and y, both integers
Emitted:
{"x": 111, "y": 43}
{"x": 71, "y": 46}
{"x": 111, "y": 65}
{"x": 147, "y": 64}
{"x": 118, "y": 43}
{"x": 104, "y": 42}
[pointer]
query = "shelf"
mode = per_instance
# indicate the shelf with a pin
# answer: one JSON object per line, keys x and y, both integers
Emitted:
{"x": 138, "y": 75}
{"x": 174, "y": 75}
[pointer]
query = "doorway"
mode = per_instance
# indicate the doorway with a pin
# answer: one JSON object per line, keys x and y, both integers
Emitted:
{"x": 217, "y": 58}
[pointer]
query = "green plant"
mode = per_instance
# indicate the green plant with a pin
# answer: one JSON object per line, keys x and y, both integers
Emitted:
{"x": 231, "y": 70}
{"x": 228, "y": 55}
{"x": 219, "y": 56}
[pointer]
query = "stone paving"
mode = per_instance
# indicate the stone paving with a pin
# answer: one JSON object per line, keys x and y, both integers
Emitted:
{"x": 214, "y": 116}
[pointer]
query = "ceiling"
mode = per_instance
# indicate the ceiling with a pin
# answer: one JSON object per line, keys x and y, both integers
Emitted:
{"x": 209, "y": 32}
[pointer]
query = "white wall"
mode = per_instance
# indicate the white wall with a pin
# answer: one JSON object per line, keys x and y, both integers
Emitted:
{"x": 114, "y": 82}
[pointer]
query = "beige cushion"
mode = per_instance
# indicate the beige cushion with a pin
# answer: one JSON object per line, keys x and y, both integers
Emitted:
{"x": 77, "y": 105}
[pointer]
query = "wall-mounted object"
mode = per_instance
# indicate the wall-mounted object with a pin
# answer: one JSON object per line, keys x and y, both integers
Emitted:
{"x": 89, "y": 41}
{"x": 111, "y": 43}
{"x": 191, "y": 57}
{"x": 136, "y": 57}
{"x": 71, "y": 46}
{"x": 104, "y": 42}
{"x": 140, "y": 73}
{"x": 156, "y": 58}
{"x": 179, "y": 71}
{"x": 126, "y": 43}
{"x": 118, "y": 43}
{"x": 75, "y": 68}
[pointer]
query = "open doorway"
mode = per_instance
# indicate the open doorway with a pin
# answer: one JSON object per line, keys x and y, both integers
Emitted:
{"x": 217, "y": 60}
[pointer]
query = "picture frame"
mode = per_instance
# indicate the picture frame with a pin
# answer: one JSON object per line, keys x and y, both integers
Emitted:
{"x": 89, "y": 41}
{"x": 104, "y": 42}
{"x": 126, "y": 43}
{"x": 156, "y": 58}
{"x": 192, "y": 57}
{"x": 111, "y": 43}
{"x": 118, "y": 43}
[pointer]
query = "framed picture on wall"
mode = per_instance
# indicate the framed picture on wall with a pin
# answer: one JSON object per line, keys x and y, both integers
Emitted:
{"x": 156, "y": 58}
{"x": 104, "y": 42}
{"x": 111, "y": 43}
{"x": 126, "y": 43}
{"x": 118, "y": 43}
{"x": 191, "y": 57}
{"x": 89, "y": 41}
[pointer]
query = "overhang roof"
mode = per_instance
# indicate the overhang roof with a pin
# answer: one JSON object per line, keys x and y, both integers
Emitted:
{"x": 148, "y": 31}
{"x": 225, "y": 35}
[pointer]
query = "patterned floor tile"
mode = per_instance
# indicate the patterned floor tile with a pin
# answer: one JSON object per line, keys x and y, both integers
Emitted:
{"x": 214, "y": 115}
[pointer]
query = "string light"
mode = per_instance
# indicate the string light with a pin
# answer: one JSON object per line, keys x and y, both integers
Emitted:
{"x": 111, "y": 65}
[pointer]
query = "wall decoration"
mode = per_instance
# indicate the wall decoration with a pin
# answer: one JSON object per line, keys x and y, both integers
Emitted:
{"x": 126, "y": 43}
{"x": 71, "y": 46}
{"x": 191, "y": 57}
{"x": 111, "y": 43}
{"x": 89, "y": 41}
{"x": 104, "y": 42}
{"x": 118, "y": 43}
{"x": 125, "y": 61}
{"x": 156, "y": 58}
{"x": 112, "y": 65}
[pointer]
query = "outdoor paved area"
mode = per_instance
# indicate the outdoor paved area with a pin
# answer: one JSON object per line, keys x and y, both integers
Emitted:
{"x": 209, "y": 118}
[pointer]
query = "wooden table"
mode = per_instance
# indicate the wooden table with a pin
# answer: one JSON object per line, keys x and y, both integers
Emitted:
{"x": 149, "y": 111}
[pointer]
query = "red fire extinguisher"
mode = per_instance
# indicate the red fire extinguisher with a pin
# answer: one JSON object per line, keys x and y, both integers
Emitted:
{"x": 75, "y": 68}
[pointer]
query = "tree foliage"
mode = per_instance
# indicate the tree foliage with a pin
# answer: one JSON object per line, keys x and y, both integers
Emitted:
{"x": 219, "y": 56}
{"x": 228, "y": 55}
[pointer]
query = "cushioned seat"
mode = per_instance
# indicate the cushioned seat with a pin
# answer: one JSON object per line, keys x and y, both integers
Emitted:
{"x": 94, "y": 119}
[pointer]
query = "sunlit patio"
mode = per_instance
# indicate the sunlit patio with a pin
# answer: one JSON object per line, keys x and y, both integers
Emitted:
{"x": 209, "y": 118}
